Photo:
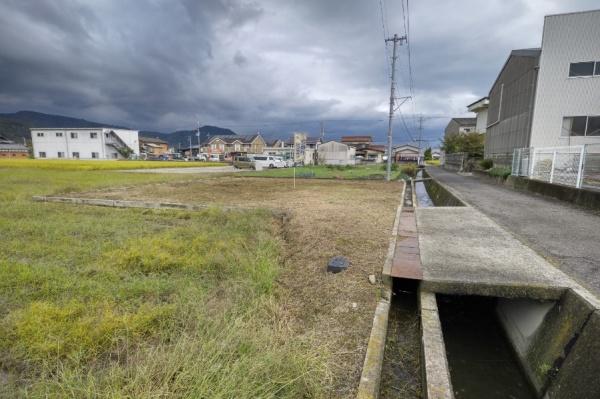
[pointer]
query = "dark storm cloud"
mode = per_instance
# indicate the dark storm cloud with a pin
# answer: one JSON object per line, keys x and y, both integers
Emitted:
{"x": 164, "y": 65}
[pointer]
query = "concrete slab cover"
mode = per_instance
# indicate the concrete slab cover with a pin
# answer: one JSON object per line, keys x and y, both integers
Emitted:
{"x": 463, "y": 251}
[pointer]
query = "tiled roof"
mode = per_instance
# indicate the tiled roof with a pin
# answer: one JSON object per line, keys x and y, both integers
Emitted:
{"x": 230, "y": 138}
{"x": 154, "y": 140}
{"x": 357, "y": 139}
{"x": 465, "y": 121}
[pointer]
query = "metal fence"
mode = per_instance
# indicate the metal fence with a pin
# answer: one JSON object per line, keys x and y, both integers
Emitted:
{"x": 455, "y": 161}
{"x": 576, "y": 166}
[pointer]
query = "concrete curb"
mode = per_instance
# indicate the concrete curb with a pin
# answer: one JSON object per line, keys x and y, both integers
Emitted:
{"x": 370, "y": 378}
{"x": 143, "y": 204}
{"x": 436, "y": 373}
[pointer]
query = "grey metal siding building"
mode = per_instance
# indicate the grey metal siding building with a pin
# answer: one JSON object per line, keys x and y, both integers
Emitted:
{"x": 512, "y": 97}
{"x": 567, "y": 104}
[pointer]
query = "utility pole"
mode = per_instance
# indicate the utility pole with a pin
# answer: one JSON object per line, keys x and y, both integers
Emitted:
{"x": 420, "y": 137}
{"x": 191, "y": 152}
{"x": 198, "y": 134}
{"x": 396, "y": 39}
{"x": 322, "y": 132}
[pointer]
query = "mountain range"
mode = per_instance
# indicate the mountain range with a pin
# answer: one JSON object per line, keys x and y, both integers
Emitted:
{"x": 15, "y": 126}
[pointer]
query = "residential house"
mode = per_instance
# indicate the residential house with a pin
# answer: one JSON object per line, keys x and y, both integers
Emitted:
{"x": 334, "y": 153}
{"x": 406, "y": 153}
{"x": 371, "y": 153}
{"x": 304, "y": 148}
{"x": 566, "y": 111}
{"x": 228, "y": 144}
{"x": 460, "y": 125}
{"x": 511, "y": 102}
{"x": 153, "y": 146}
{"x": 436, "y": 153}
{"x": 480, "y": 108}
{"x": 279, "y": 148}
{"x": 84, "y": 143}
{"x": 10, "y": 149}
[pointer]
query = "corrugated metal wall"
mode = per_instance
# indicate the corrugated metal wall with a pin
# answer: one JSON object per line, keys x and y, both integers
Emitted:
{"x": 511, "y": 121}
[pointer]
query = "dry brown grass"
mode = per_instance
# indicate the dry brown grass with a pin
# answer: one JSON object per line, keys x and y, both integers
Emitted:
{"x": 326, "y": 218}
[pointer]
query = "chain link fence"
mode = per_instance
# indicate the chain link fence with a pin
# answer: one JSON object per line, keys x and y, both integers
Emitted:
{"x": 576, "y": 166}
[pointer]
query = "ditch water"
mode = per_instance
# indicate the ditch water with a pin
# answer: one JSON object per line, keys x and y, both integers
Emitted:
{"x": 423, "y": 198}
{"x": 481, "y": 360}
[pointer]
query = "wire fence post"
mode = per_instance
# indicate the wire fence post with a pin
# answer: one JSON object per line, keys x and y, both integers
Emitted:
{"x": 581, "y": 166}
{"x": 552, "y": 167}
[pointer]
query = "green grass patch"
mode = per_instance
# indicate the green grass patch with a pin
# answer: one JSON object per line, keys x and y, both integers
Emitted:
{"x": 101, "y": 302}
{"x": 368, "y": 172}
{"x": 71, "y": 164}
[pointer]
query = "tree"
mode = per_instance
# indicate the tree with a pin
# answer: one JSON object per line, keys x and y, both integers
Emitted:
{"x": 471, "y": 143}
{"x": 428, "y": 154}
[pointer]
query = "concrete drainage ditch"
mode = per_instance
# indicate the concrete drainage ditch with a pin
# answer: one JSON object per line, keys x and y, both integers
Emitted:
{"x": 459, "y": 329}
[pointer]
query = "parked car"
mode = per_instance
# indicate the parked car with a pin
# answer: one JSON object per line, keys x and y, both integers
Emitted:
{"x": 243, "y": 162}
{"x": 214, "y": 158}
{"x": 288, "y": 163}
{"x": 268, "y": 161}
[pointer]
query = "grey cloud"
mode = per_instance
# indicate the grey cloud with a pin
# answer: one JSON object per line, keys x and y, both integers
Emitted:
{"x": 163, "y": 65}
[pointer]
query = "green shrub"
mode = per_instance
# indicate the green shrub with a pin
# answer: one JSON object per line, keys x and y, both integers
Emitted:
{"x": 395, "y": 167}
{"x": 409, "y": 169}
{"x": 500, "y": 171}
{"x": 486, "y": 164}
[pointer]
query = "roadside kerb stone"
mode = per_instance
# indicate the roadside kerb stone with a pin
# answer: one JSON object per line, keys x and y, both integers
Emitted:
{"x": 370, "y": 379}
{"x": 436, "y": 373}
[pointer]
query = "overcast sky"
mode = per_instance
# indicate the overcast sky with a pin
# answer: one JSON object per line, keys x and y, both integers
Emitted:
{"x": 272, "y": 65}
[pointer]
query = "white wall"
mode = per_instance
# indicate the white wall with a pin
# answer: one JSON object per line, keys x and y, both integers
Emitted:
{"x": 334, "y": 153}
{"x": 482, "y": 117}
{"x": 52, "y": 144}
{"x": 567, "y": 38}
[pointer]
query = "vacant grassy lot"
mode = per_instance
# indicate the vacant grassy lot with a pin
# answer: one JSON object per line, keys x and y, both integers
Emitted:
{"x": 374, "y": 172}
{"x": 98, "y": 302}
{"x": 69, "y": 164}
{"x": 326, "y": 218}
{"x": 101, "y": 302}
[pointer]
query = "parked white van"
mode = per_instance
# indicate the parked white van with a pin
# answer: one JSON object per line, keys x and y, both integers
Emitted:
{"x": 268, "y": 161}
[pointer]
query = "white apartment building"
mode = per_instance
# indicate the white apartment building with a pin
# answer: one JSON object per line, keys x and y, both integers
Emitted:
{"x": 84, "y": 143}
{"x": 567, "y": 99}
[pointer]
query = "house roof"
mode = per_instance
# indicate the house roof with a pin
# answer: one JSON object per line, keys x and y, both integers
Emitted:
{"x": 483, "y": 101}
{"x": 465, "y": 121}
{"x": 154, "y": 140}
{"x": 231, "y": 138}
{"x": 525, "y": 52}
{"x": 6, "y": 145}
{"x": 357, "y": 139}
{"x": 406, "y": 146}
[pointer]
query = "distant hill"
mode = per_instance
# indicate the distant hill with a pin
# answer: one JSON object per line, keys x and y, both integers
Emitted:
{"x": 15, "y": 126}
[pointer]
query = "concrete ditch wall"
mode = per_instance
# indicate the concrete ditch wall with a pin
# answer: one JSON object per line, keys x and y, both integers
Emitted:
{"x": 556, "y": 343}
{"x": 586, "y": 198}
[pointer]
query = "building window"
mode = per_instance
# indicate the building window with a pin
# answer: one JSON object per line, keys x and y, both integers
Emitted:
{"x": 93, "y": 135}
{"x": 94, "y": 155}
{"x": 581, "y": 126}
{"x": 593, "y": 126}
{"x": 106, "y": 135}
{"x": 61, "y": 154}
{"x": 76, "y": 155}
{"x": 42, "y": 154}
{"x": 40, "y": 134}
{"x": 114, "y": 155}
{"x": 59, "y": 134}
{"x": 73, "y": 135}
{"x": 581, "y": 69}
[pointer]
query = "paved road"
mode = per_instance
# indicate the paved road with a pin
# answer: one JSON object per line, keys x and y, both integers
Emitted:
{"x": 568, "y": 236}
